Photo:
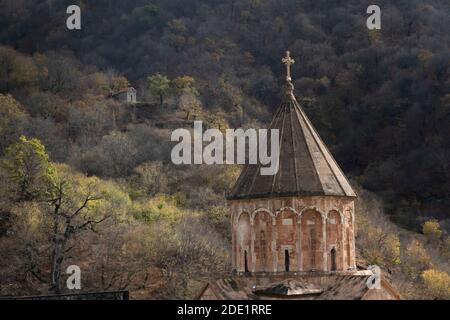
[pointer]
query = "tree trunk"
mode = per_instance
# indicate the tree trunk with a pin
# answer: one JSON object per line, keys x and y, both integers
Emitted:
{"x": 57, "y": 260}
{"x": 133, "y": 114}
{"x": 114, "y": 119}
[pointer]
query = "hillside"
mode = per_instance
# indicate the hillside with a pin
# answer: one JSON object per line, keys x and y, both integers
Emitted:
{"x": 380, "y": 100}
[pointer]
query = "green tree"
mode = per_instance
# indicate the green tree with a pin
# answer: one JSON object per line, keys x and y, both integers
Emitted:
{"x": 29, "y": 172}
{"x": 159, "y": 86}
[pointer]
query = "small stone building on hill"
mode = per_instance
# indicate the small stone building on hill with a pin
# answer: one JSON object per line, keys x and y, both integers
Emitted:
{"x": 293, "y": 233}
{"x": 127, "y": 95}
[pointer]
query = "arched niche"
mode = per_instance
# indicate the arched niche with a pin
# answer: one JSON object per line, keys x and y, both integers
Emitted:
{"x": 243, "y": 242}
{"x": 263, "y": 230}
{"x": 312, "y": 240}
{"x": 286, "y": 230}
{"x": 334, "y": 245}
{"x": 349, "y": 238}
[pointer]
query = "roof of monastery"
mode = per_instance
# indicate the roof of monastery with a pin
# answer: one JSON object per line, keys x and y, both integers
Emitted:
{"x": 289, "y": 287}
{"x": 231, "y": 289}
{"x": 123, "y": 90}
{"x": 319, "y": 287}
{"x": 306, "y": 166}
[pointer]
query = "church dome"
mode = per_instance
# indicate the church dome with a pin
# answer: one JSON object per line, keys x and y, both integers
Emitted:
{"x": 306, "y": 166}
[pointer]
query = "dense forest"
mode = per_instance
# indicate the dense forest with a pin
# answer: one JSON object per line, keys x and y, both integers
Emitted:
{"x": 87, "y": 178}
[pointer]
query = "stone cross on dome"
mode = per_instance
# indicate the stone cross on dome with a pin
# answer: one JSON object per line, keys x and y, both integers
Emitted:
{"x": 288, "y": 61}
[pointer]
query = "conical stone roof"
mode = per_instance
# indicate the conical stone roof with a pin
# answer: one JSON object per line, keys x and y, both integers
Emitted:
{"x": 306, "y": 166}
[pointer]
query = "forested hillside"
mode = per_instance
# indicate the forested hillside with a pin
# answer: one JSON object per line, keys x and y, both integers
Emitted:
{"x": 380, "y": 100}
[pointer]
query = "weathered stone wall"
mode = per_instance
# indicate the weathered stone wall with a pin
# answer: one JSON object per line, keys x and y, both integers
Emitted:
{"x": 293, "y": 233}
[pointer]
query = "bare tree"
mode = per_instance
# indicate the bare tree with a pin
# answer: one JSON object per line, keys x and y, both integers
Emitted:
{"x": 70, "y": 217}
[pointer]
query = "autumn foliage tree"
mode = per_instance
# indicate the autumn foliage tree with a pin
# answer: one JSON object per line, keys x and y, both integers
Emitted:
{"x": 432, "y": 230}
{"x": 437, "y": 283}
{"x": 118, "y": 83}
{"x": 78, "y": 204}
{"x": 29, "y": 171}
{"x": 12, "y": 118}
{"x": 416, "y": 259}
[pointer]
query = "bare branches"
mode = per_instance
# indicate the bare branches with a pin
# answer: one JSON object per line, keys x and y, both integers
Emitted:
{"x": 71, "y": 215}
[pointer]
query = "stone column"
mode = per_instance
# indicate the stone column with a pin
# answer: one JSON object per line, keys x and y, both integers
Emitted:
{"x": 252, "y": 245}
{"x": 324, "y": 243}
{"x": 233, "y": 243}
{"x": 344, "y": 246}
{"x": 340, "y": 244}
{"x": 299, "y": 245}
{"x": 353, "y": 247}
{"x": 274, "y": 245}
